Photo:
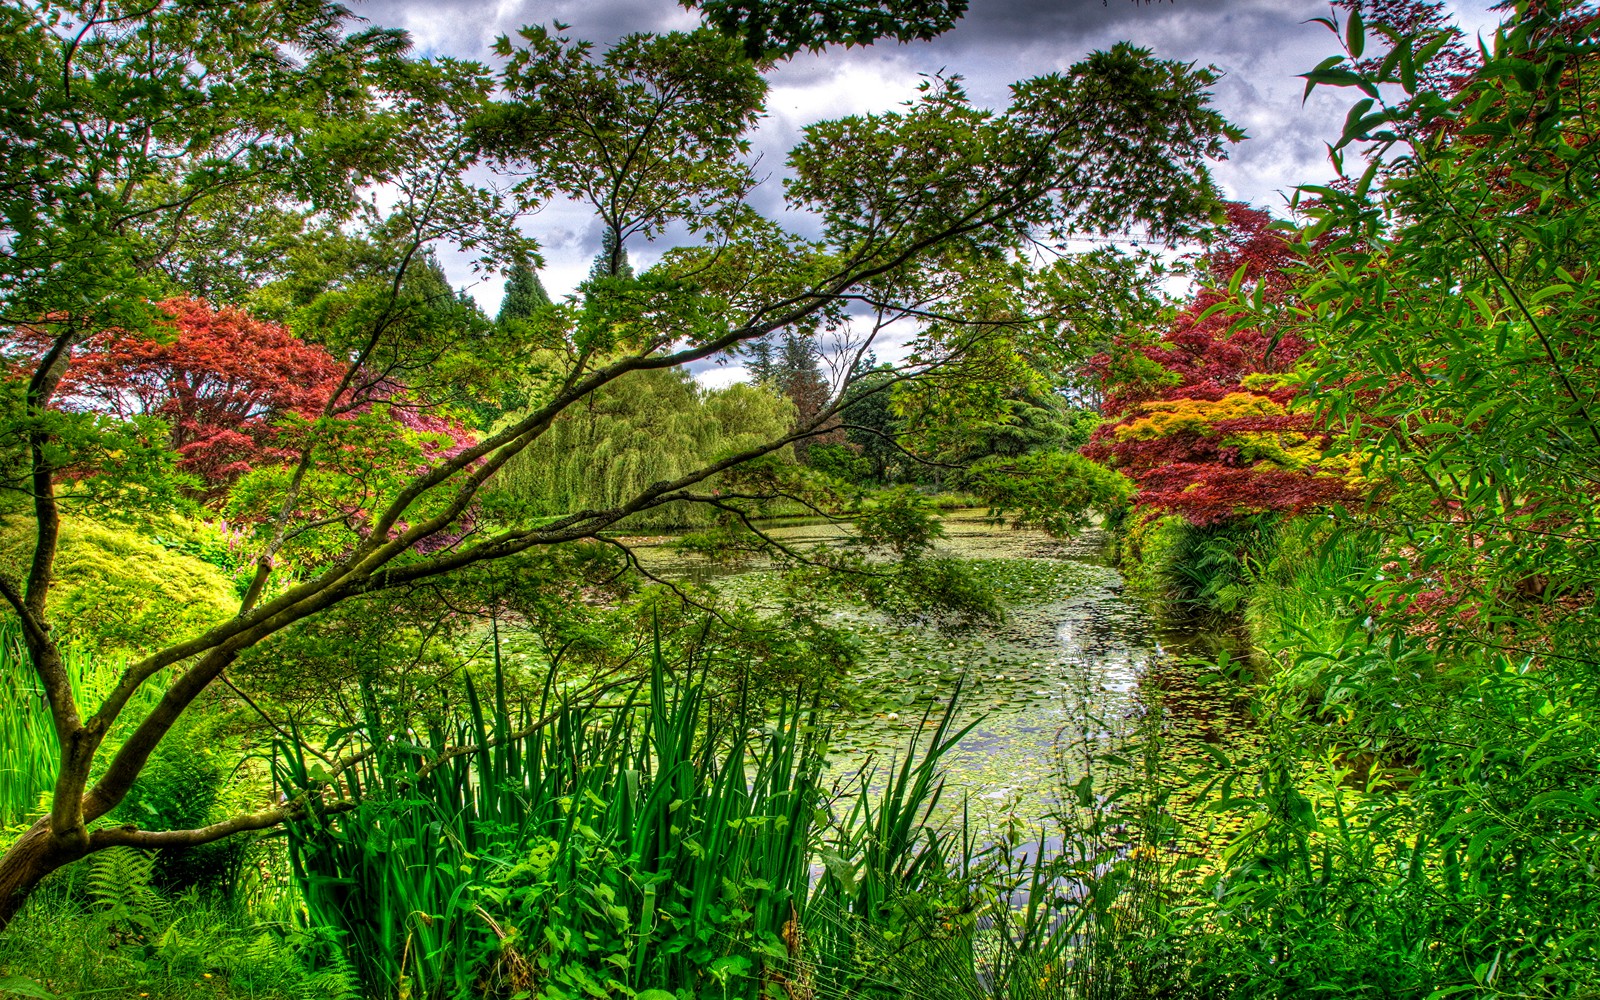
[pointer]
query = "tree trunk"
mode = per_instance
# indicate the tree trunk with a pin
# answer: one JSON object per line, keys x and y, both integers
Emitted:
{"x": 32, "y": 856}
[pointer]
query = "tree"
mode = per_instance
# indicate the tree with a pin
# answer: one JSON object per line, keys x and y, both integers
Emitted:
{"x": 524, "y": 296}
{"x": 641, "y": 429}
{"x": 772, "y": 29}
{"x": 909, "y": 201}
{"x": 116, "y": 142}
{"x": 794, "y": 372}
{"x": 1207, "y": 421}
{"x": 612, "y": 260}
{"x": 223, "y": 385}
{"x": 870, "y": 425}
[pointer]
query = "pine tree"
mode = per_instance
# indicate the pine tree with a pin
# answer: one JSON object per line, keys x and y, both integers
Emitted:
{"x": 612, "y": 260}
{"x": 427, "y": 288}
{"x": 525, "y": 294}
{"x": 795, "y": 370}
{"x": 761, "y": 366}
{"x": 800, "y": 376}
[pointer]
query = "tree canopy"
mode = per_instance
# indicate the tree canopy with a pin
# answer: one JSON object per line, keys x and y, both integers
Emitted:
{"x": 348, "y": 468}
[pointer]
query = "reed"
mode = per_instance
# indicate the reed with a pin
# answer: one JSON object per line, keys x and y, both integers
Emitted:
{"x": 656, "y": 845}
{"x": 27, "y": 733}
{"x": 1075, "y": 914}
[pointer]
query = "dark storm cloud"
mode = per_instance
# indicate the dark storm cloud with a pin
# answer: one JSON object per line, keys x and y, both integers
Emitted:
{"x": 1027, "y": 21}
{"x": 466, "y": 28}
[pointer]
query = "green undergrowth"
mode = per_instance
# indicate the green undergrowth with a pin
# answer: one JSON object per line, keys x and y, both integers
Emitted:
{"x": 1382, "y": 824}
{"x": 102, "y": 928}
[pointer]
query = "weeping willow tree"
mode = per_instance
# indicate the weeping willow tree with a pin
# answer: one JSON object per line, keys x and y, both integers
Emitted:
{"x": 643, "y": 428}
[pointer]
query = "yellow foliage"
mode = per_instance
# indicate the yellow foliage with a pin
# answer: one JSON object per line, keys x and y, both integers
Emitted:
{"x": 1166, "y": 417}
{"x": 117, "y": 588}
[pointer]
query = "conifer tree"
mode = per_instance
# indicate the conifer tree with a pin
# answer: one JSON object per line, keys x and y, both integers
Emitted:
{"x": 800, "y": 376}
{"x": 612, "y": 260}
{"x": 525, "y": 293}
{"x": 761, "y": 366}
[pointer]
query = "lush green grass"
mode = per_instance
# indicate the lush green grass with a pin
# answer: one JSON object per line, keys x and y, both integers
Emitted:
{"x": 100, "y": 929}
{"x": 31, "y": 755}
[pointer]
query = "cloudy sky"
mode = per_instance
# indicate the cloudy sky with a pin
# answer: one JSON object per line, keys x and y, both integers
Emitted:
{"x": 1259, "y": 45}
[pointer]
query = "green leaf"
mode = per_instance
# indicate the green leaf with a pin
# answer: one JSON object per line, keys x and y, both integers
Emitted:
{"x": 1549, "y": 292}
{"x": 24, "y": 987}
{"x": 1355, "y": 35}
{"x": 730, "y": 965}
{"x": 1408, "y": 67}
{"x": 1354, "y": 122}
{"x": 1333, "y": 78}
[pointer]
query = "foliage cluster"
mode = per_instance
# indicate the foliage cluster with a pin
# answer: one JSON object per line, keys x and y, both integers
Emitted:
{"x": 1420, "y": 812}
{"x": 1206, "y": 420}
{"x": 647, "y": 427}
{"x": 657, "y": 847}
{"x": 104, "y": 928}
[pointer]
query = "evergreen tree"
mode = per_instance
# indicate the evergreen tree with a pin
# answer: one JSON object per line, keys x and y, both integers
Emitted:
{"x": 761, "y": 366}
{"x": 525, "y": 294}
{"x": 426, "y": 288}
{"x": 800, "y": 376}
{"x": 873, "y": 425}
{"x": 792, "y": 367}
{"x": 612, "y": 260}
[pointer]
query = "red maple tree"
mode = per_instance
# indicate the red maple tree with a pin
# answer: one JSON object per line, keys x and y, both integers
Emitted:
{"x": 223, "y": 383}
{"x": 1216, "y": 433}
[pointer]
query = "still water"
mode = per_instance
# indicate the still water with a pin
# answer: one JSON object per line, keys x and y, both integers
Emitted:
{"x": 1071, "y": 665}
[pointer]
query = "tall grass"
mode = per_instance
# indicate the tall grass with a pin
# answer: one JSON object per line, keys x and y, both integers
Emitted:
{"x": 654, "y": 845}
{"x": 27, "y": 733}
{"x": 1077, "y": 913}
{"x": 673, "y": 844}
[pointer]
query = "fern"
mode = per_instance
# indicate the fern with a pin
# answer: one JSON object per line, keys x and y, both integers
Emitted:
{"x": 119, "y": 886}
{"x": 337, "y": 983}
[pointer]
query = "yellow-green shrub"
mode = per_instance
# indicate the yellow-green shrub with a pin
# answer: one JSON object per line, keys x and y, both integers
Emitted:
{"x": 117, "y": 587}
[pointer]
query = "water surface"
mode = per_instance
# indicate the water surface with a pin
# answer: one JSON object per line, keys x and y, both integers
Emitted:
{"x": 1066, "y": 667}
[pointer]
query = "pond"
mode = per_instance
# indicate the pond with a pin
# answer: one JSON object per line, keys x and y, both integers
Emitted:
{"x": 1076, "y": 659}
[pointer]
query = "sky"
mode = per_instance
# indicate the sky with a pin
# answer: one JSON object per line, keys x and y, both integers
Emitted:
{"x": 1258, "y": 45}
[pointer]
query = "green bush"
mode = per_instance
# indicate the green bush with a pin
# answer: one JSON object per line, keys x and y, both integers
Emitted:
{"x": 118, "y": 588}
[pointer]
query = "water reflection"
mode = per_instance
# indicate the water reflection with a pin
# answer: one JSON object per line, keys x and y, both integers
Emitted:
{"x": 1065, "y": 668}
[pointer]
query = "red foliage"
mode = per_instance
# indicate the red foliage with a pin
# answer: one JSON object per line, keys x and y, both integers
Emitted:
{"x": 225, "y": 382}
{"x": 222, "y": 384}
{"x": 1209, "y": 441}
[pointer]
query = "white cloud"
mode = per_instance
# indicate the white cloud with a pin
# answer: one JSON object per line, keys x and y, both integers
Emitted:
{"x": 1259, "y": 45}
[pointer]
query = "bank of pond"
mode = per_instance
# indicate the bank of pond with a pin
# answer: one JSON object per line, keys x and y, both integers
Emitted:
{"x": 987, "y": 810}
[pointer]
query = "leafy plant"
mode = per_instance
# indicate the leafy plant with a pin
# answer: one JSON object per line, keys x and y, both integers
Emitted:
{"x": 654, "y": 844}
{"x": 1413, "y": 821}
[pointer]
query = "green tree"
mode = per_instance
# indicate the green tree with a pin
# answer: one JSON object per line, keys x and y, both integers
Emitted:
{"x": 612, "y": 260}
{"x": 794, "y": 371}
{"x": 774, "y": 28}
{"x": 650, "y": 134}
{"x": 524, "y": 295}
{"x": 870, "y": 424}
{"x": 641, "y": 429}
